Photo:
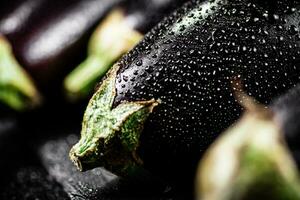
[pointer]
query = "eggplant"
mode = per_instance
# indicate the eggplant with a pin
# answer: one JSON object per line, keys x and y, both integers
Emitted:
{"x": 50, "y": 42}
{"x": 258, "y": 163}
{"x": 17, "y": 90}
{"x": 169, "y": 98}
{"x": 121, "y": 30}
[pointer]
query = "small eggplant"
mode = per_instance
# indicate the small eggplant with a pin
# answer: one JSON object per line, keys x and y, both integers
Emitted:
{"x": 249, "y": 161}
{"x": 17, "y": 90}
{"x": 122, "y": 29}
{"x": 51, "y": 41}
{"x": 168, "y": 99}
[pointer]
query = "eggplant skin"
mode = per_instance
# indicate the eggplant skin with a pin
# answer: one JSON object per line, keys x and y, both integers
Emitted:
{"x": 147, "y": 14}
{"x": 188, "y": 62}
{"x": 287, "y": 114}
{"x": 52, "y": 43}
{"x": 16, "y": 14}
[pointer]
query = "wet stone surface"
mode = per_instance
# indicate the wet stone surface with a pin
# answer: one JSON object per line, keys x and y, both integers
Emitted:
{"x": 33, "y": 183}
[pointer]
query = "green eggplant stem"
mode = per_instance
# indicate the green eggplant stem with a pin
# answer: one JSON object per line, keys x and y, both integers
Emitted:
{"x": 110, "y": 136}
{"x": 249, "y": 161}
{"x": 112, "y": 38}
{"x": 17, "y": 90}
{"x": 81, "y": 81}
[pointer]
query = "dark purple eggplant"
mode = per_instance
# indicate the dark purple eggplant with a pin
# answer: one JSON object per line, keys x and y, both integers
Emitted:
{"x": 53, "y": 40}
{"x": 122, "y": 29}
{"x": 17, "y": 90}
{"x": 48, "y": 38}
{"x": 169, "y": 98}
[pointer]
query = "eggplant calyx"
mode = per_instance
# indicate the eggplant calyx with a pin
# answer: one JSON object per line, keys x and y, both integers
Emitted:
{"x": 17, "y": 90}
{"x": 112, "y": 38}
{"x": 110, "y": 136}
{"x": 249, "y": 161}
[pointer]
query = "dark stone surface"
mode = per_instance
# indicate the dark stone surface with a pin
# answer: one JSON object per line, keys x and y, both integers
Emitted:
{"x": 33, "y": 183}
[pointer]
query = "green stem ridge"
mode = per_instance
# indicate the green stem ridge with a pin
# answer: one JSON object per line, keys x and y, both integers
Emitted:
{"x": 112, "y": 38}
{"x": 110, "y": 136}
{"x": 17, "y": 90}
